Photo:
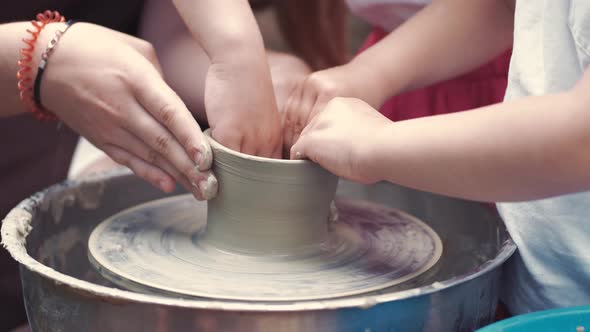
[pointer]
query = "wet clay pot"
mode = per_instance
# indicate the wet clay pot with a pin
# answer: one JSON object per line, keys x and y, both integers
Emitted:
{"x": 268, "y": 205}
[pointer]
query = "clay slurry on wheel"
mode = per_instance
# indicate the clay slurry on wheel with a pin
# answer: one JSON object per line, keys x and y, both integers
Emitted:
{"x": 158, "y": 247}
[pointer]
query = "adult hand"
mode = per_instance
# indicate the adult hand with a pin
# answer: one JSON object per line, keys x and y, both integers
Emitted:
{"x": 345, "y": 138}
{"x": 107, "y": 86}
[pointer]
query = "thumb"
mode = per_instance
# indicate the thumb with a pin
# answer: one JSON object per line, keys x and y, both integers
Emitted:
{"x": 298, "y": 150}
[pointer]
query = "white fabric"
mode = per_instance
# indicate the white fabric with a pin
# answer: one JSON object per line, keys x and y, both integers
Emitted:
{"x": 552, "y": 269}
{"x": 386, "y": 14}
{"x": 85, "y": 155}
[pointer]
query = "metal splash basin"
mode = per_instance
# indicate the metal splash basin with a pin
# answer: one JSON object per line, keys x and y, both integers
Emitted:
{"x": 48, "y": 235}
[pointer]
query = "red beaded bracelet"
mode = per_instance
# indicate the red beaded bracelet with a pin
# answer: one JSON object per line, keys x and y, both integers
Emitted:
{"x": 23, "y": 75}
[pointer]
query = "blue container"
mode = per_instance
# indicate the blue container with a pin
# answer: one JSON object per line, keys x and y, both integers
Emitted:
{"x": 575, "y": 319}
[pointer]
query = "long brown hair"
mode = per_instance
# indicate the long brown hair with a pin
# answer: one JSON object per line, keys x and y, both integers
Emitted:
{"x": 315, "y": 30}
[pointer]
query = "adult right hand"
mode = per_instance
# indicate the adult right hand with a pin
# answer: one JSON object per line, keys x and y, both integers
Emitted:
{"x": 108, "y": 87}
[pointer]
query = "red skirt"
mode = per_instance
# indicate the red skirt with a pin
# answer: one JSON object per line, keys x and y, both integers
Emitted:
{"x": 483, "y": 86}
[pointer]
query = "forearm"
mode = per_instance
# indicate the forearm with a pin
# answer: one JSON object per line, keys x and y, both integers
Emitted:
{"x": 444, "y": 40}
{"x": 521, "y": 150}
{"x": 11, "y": 35}
{"x": 185, "y": 66}
{"x": 239, "y": 101}
{"x": 226, "y": 29}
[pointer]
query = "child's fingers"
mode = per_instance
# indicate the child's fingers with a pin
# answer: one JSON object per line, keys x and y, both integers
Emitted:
{"x": 299, "y": 150}
{"x": 308, "y": 99}
{"x": 317, "y": 107}
{"x": 291, "y": 107}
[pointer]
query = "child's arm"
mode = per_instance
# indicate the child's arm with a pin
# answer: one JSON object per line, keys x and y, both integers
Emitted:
{"x": 239, "y": 99}
{"x": 520, "y": 150}
{"x": 185, "y": 63}
{"x": 444, "y": 40}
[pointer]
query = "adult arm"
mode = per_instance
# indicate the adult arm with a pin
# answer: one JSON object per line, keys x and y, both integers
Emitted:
{"x": 107, "y": 86}
{"x": 10, "y": 43}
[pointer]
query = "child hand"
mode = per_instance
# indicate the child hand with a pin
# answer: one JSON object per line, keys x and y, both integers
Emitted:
{"x": 287, "y": 72}
{"x": 311, "y": 95}
{"x": 241, "y": 109}
{"x": 345, "y": 139}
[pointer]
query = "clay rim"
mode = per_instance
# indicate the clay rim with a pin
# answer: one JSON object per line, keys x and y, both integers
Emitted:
{"x": 218, "y": 146}
{"x": 18, "y": 251}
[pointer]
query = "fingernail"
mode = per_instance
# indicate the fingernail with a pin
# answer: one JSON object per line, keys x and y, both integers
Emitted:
{"x": 298, "y": 155}
{"x": 163, "y": 184}
{"x": 203, "y": 158}
{"x": 207, "y": 188}
{"x": 198, "y": 160}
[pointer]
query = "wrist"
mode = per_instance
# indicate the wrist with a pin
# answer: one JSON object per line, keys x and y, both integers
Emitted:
{"x": 289, "y": 62}
{"x": 247, "y": 86}
{"x": 33, "y": 60}
{"x": 245, "y": 66}
{"x": 379, "y": 163}
{"x": 378, "y": 84}
{"x": 237, "y": 48}
{"x": 45, "y": 36}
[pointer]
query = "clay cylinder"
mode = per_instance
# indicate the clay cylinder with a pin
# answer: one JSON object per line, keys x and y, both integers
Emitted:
{"x": 268, "y": 206}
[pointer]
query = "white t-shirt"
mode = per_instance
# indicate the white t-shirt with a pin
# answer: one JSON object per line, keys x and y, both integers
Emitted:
{"x": 552, "y": 267}
{"x": 386, "y": 14}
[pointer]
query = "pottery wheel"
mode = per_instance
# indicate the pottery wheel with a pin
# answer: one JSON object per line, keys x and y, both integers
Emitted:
{"x": 156, "y": 247}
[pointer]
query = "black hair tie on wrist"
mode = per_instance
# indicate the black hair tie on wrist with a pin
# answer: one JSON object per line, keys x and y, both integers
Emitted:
{"x": 43, "y": 63}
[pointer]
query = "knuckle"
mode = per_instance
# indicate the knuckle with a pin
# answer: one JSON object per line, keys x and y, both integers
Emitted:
{"x": 193, "y": 150}
{"x": 188, "y": 169}
{"x": 229, "y": 139}
{"x": 162, "y": 143}
{"x": 125, "y": 124}
{"x": 167, "y": 114}
{"x": 152, "y": 156}
{"x": 320, "y": 84}
{"x": 299, "y": 115}
{"x": 336, "y": 102}
{"x": 298, "y": 127}
{"x": 141, "y": 172}
{"x": 147, "y": 49}
{"x": 119, "y": 159}
{"x": 186, "y": 139}
{"x": 146, "y": 174}
{"x": 289, "y": 124}
{"x": 116, "y": 115}
{"x": 315, "y": 80}
{"x": 290, "y": 115}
